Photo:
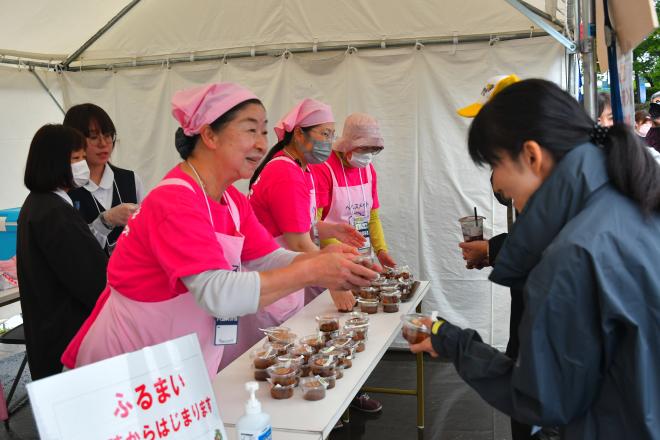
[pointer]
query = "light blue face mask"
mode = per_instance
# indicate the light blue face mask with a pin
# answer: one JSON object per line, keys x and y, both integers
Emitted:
{"x": 320, "y": 152}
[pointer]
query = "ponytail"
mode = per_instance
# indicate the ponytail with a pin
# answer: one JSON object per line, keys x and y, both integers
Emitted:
{"x": 631, "y": 167}
{"x": 272, "y": 152}
{"x": 184, "y": 144}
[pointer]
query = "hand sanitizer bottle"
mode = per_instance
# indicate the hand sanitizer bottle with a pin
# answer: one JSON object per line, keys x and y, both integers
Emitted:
{"x": 254, "y": 424}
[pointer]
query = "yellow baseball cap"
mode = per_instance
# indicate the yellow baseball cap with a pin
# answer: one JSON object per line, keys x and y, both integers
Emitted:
{"x": 493, "y": 86}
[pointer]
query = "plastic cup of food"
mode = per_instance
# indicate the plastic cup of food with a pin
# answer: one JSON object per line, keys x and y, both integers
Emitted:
{"x": 369, "y": 306}
{"x": 283, "y": 374}
{"x": 323, "y": 365}
{"x": 280, "y": 333}
{"x": 301, "y": 350}
{"x": 263, "y": 358}
{"x": 260, "y": 375}
{"x": 280, "y": 392}
{"x": 472, "y": 227}
{"x": 315, "y": 341}
{"x": 414, "y": 330}
{"x": 313, "y": 388}
{"x": 328, "y": 322}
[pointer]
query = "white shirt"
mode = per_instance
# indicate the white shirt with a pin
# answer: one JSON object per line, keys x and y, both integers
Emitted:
{"x": 103, "y": 193}
{"x": 655, "y": 154}
{"x": 64, "y": 195}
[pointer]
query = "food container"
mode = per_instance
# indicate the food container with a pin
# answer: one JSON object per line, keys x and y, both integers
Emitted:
{"x": 260, "y": 375}
{"x": 339, "y": 373}
{"x": 368, "y": 292}
{"x": 296, "y": 361}
{"x": 357, "y": 318}
{"x": 280, "y": 333}
{"x": 280, "y": 392}
{"x": 379, "y": 281}
{"x": 414, "y": 330}
{"x": 263, "y": 358}
{"x": 406, "y": 287}
{"x": 328, "y": 323}
{"x": 358, "y": 331}
{"x": 390, "y": 301}
{"x": 323, "y": 365}
{"x": 302, "y": 350}
{"x": 279, "y": 346}
{"x": 360, "y": 346}
{"x": 344, "y": 356}
{"x": 404, "y": 273}
{"x": 305, "y": 370}
{"x": 315, "y": 341}
{"x": 313, "y": 388}
{"x": 369, "y": 306}
{"x": 331, "y": 381}
{"x": 283, "y": 374}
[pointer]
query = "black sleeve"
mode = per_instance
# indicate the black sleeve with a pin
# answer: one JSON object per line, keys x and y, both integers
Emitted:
{"x": 559, "y": 368}
{"x": 494, "y": 246}
{"x": 73, "y": 253}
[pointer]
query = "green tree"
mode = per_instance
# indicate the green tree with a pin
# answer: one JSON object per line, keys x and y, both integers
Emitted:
{"x": 646, "y": 58}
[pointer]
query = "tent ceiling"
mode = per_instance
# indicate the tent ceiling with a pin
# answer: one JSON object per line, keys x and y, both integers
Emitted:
{"x": 168, "y": 27}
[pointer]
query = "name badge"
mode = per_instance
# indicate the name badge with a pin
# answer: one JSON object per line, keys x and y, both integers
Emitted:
{"x": 361, "y": 224}
{"x": 226, "y": 331}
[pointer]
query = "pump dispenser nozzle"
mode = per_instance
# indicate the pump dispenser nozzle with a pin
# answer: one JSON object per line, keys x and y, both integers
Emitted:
{"x": 252, "y": 406}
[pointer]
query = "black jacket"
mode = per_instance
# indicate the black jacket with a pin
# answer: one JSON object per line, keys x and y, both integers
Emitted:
{"x": 61, "y": 273}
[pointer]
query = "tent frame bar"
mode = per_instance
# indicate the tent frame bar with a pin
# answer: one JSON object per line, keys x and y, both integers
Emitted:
{"x": 74, "y": 56}
{"x": 542, "y": 21}
{"x": 350, "y": 48}
{"x": 45, "y": 87}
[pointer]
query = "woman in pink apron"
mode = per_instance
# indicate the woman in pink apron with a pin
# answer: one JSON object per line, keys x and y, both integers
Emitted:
{"x": 194, "y": 258}
{"x": 346, "y": 184}
{"x": 283, "y": 199}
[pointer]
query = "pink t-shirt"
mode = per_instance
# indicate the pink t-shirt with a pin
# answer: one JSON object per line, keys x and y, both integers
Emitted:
{"x": 280, "y": 197}
{"x": 323, "y": 181}
{"x": 172, "y": 237}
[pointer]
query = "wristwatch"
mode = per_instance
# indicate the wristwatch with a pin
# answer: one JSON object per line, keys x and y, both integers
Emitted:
{"x": 104, "y": 222}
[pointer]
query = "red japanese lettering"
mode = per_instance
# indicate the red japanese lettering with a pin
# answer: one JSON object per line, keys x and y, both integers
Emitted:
{"x": 161, "y": 390}
{"x": 123, "y": 407}
{"x": 161, "y": 427}
{"x": 186, "y": 417}
{"x": 175, "y": 389}
{"x": 145, "y": 400}
{"x": 208, "y": 404}
{"x": 175, "y": 426}
{"x": 133, "y": 436}
{"x": 148, "y": 433}
{"x": 202, "y": 408}
{"x": 195, "y": 411}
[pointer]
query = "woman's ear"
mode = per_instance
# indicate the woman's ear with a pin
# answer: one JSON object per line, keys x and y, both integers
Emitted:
{"x": 207, "y": 135}
{"x": 538, "y": 159}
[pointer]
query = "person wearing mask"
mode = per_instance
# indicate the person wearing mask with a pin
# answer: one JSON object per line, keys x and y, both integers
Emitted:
{"x": 643, "y": 123}
{"x": 652, "y": 137}
{"x": 347, "y": 190}
{"x": 194, "y": 258}
{"x": 583, "y": 250}
{"x": 112, "y": 194}
{"x": 605, "y": 115}
{"x": 655, "y": 98}
{"x": 61, "y": 268}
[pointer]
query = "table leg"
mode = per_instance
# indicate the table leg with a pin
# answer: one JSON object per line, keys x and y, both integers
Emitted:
{"x": 420, "y": 384}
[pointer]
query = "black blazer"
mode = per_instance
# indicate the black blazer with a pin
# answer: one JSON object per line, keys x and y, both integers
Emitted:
{"x": 61, "y": 273}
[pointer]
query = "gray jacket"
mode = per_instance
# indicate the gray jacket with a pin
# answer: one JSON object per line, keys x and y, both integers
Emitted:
{"x": 588, "y": 262}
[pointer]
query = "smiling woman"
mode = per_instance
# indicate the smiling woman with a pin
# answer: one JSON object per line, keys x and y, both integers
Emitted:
{"x": 194, "y": 258}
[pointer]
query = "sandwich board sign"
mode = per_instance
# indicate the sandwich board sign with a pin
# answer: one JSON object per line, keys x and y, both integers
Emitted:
{"x": 159, "y": 392}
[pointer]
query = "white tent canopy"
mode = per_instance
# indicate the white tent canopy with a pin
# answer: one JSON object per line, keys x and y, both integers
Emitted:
{"x": 426, "y": 179}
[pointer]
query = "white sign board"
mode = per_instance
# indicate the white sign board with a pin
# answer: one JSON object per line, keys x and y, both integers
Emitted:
{"x": 158, "y": 392}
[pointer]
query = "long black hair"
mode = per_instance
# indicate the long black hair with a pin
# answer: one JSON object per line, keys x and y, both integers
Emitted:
{"x": 539, "y": 110}
{"x": 186, "y": 144}
{"x": 286, "y": 140}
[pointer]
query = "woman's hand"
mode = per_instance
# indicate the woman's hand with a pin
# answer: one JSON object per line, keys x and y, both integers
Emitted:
{"x": 342, "y": 232}
{"x": 425, "y": 346}
{"x": 343, "y": 299}
{"x": 340, "y": 248}
{"x": 337, "y": 271}
{"x": 475, "y": 253}
{"x": 120, "y": 214}
{"x": 385, "y": 258}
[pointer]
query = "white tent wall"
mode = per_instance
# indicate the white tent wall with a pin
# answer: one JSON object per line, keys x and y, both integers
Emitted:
{"x": 426, "y": 178}
{"x": 24, "y": 107}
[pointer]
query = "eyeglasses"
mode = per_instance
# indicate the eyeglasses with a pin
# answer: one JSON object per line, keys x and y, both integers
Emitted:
{"x": 105, "y": 137}
{"x": 328, "y": 135}
{"x": 372, "y": 150}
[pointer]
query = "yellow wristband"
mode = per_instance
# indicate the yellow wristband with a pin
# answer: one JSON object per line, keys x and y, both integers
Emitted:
{"x": 436, "y": 326}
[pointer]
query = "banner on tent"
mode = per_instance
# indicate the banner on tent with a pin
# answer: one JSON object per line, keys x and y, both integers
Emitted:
{"x": 160, "y": 391}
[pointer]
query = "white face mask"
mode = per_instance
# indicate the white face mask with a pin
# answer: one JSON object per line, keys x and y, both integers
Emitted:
{"x": 644, "y": 129}
{"x": 80, "y": 172}
{"x": 360, "y": 160}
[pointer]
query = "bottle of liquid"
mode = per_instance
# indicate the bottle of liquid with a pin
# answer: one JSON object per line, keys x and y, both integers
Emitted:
{"x": 254, "y": 424}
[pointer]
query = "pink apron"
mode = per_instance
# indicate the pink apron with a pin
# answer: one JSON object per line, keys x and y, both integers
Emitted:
{"x": 125, "y": 325}
{"x": 273, "y": 314}
{"x": 343, "y": 206}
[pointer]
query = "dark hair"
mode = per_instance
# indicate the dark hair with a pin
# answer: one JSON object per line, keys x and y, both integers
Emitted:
{"x": 79, "y": 116}
{"x": 641, "y": 116}
{"x": 186, "y": 144}
{"x": 604, "y": 100}
{"x": 286, "y": 140}
{"x": 539, "y": 110}
{"x": 48, "y": 164}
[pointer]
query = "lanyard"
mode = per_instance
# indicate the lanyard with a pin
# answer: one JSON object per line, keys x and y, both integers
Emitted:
{"x": 311, "y": 177}
{"x": 98, "y": 208}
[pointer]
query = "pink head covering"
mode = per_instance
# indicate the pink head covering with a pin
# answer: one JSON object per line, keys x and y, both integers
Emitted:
{"x": 204, "y": 104}
{"x": 360, "y": 130}
{"x": 306, "y": 113}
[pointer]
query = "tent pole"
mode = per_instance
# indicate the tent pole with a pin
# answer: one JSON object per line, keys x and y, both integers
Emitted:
{"x": 573, "y": 23}
{"x": 587, "y": 49}
{"x": 74, "y": 56}
{"x": 542, "y": 21}
{"x": 45, "y": 87}
{"x": 178, "y": 59}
